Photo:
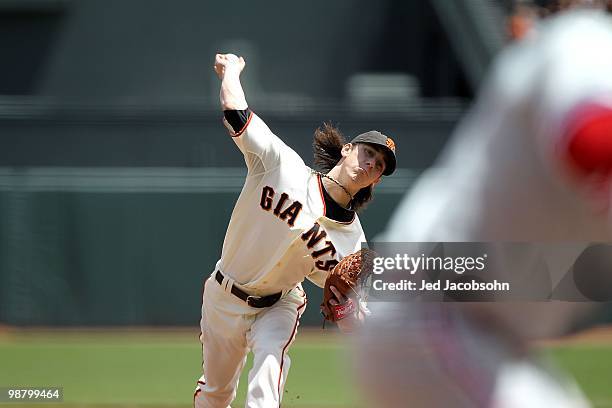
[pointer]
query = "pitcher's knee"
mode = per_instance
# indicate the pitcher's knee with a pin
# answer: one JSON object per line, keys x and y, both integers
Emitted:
{"x": 266, "y": 350}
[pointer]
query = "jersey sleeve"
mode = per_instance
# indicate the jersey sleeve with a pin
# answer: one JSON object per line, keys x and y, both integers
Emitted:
{"x": 261, "y": 148}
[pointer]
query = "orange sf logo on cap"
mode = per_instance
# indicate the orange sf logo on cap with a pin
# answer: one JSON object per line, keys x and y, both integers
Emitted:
{"x": 390, "y": 144}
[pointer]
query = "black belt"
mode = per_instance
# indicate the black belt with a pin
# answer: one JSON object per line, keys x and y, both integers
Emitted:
{"x": 253, "y": 301}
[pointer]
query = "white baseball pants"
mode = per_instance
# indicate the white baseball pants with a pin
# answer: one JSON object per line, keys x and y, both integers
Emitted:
{"x": 230, "y": 329}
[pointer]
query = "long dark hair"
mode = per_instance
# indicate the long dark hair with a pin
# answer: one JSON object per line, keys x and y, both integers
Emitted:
{"x": 327, "y": 149}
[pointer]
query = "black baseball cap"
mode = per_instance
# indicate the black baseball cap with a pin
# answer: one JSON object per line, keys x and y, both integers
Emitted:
{"x": 374, "y": 137}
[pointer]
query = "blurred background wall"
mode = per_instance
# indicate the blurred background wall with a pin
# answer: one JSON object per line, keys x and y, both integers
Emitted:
{"x": 117, "y": 178}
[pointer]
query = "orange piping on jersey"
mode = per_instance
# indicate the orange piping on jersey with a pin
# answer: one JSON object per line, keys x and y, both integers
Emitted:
{"x": 325, "y": 207}
{"x": 245, "y": 125}
{"x": 322, "y": 196}
{"x": 345, "y": 222}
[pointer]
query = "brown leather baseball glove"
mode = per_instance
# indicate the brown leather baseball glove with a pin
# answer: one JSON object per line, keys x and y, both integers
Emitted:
{"x": 348, "y": 277}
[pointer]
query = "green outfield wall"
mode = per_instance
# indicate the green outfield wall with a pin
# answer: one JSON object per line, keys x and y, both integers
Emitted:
{"x": 118, "y": 258}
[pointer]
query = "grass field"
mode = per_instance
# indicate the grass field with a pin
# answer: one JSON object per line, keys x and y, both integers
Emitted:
{"x": 131, "y": 369}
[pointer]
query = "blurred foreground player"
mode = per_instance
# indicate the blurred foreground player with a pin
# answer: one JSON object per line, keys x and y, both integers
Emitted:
{"x": 531, "y": 162}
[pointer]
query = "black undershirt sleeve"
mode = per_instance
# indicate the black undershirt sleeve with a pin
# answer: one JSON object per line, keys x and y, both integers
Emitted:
{"x": 237, "y": 118}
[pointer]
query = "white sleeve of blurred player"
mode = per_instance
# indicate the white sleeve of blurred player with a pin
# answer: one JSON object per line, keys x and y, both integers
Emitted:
{"x": 574, "y": 54}
{"x": 500, "y": 176}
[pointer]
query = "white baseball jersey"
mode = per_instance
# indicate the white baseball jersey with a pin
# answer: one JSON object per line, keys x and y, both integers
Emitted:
{"x": 277, "y": 236}
{"x": 278, "y": 233}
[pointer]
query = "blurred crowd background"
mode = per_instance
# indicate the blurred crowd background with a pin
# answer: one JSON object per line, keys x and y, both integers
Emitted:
{"x": 117, "y": 178}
